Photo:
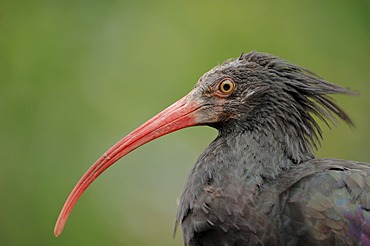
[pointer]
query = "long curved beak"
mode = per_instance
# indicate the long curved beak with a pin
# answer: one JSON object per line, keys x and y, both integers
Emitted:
{"x": 181, "y": 114}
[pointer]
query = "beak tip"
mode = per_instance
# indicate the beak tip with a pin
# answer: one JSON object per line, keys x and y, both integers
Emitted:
{"x": 57, "y": 232}
{"x": 58, "y": 228}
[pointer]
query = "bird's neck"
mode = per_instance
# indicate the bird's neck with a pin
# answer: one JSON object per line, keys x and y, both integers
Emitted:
{"x": 250, "y": 156}
{"x": 244, "y": 160}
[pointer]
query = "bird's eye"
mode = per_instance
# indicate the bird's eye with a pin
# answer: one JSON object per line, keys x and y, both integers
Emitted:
{"x": 226, "y": 86}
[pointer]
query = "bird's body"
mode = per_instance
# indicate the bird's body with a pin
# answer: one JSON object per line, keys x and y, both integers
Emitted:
{"x": 258, "y": 183}
{"x": 317, "y": 202}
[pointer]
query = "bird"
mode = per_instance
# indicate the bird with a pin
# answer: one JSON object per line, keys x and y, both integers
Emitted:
{"x": 258, "y": 182}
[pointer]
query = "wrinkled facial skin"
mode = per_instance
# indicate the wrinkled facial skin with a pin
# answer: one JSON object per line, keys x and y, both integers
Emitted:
{"x": 217, "y": 104}
{"x": 249, "y": 95}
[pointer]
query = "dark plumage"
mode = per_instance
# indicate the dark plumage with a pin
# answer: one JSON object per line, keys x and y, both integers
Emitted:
{"x": 258, "y": 183}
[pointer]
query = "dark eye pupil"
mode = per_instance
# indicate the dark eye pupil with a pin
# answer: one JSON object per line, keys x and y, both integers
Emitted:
{"x": 226, "y": 87}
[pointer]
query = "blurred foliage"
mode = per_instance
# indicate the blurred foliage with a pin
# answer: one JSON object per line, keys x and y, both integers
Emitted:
{"x": 75, "y": 76}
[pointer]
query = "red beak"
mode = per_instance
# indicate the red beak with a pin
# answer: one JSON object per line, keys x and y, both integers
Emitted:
{"x": 181, "y": 114}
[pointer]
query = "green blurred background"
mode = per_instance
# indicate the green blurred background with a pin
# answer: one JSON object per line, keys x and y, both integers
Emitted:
{"x": 76, "y": 76}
